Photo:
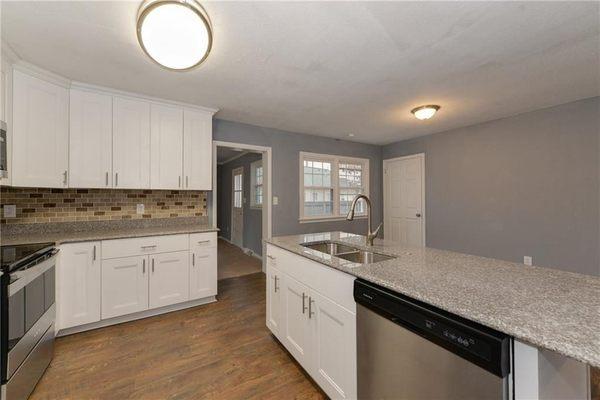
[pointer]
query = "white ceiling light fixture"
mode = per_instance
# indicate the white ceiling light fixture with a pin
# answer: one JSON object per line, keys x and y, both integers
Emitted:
{"x": 176, "y": 34}
{"x": 425, "y": 112}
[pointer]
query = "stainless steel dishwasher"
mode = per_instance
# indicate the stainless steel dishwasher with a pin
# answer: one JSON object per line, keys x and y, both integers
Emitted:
{"x": 410, "y": 350}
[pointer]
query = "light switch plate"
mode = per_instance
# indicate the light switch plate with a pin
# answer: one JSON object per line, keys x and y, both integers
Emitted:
{"x": 528, "y": 260}
{"x": 10, "y": 211}
{"x": 139, "y": 209}
{"x": 275, "y": 200}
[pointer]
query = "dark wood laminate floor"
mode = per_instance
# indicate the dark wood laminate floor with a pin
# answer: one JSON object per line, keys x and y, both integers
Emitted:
{"x": 234, "y": 262}
{"x": 216, "y": 351}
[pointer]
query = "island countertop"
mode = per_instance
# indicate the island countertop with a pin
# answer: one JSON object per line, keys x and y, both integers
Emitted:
{"x": 548, "y": 308}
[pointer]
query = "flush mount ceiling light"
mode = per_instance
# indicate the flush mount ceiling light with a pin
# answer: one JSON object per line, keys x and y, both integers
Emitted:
{"x": 176, "y": 34}
{"x": 425, "y": 112}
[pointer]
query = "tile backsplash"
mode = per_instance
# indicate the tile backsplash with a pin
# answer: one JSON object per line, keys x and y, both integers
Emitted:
{"x": 36, "y": 205}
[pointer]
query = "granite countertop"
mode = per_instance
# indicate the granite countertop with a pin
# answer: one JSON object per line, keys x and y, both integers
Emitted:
{"x": 548, "y": 308}
{"x": 100, "y": 230}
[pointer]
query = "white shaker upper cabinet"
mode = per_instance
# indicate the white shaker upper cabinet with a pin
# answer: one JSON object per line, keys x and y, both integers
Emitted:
{"x": 90, "y": 141}
{"x": 131, "y": 143}
{"x": 40, "y": 133}
{"x": 197, "y": 157}
{"x": 166, "y": 161}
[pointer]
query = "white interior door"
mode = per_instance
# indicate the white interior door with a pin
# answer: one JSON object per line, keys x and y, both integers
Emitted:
{"x": 404, "y": 200}
{"x": 237, "y": 206}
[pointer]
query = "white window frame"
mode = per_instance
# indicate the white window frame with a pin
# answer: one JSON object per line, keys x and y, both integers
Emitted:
{"x": 335, "y": 162}
{"x": 253, "y": 167}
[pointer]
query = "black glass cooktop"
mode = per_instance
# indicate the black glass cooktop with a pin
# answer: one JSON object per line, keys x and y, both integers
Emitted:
{"x": 16, "y": 256}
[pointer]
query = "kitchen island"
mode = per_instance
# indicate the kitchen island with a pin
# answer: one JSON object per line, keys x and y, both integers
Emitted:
{"x": 540, "y": 308}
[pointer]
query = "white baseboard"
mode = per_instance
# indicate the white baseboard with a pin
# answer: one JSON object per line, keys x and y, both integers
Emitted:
{"x": 135, "y": 316}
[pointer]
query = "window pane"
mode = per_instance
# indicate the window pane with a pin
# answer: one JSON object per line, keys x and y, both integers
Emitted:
{"x": 258, "y": 195}
{"x": 237, "y": 199}
{"x": 346, "y": 197}
{"x": 350, "y": 175}
{"x": 259, "y": 176}
{"x": 318, "y": 202}
{"x": 317, "y": 173}
{"x": 237, "y": 182}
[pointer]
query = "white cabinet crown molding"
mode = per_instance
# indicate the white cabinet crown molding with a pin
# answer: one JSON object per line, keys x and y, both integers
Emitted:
{"x": 116, "y": 92}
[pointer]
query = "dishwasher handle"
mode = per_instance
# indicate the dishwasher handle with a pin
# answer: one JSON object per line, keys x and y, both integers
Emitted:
{"x": 474, "y": 342}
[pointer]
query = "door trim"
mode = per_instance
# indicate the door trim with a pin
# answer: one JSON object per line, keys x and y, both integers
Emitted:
{"x": 421, "y": 157}
{"x": 234, "y": 172}
{"x": 267, "y": 210}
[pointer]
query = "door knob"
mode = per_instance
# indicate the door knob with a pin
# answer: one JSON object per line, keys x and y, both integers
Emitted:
{"x": 418, "y": 215}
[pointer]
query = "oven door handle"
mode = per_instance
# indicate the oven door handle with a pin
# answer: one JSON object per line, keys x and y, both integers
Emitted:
{"x": 26, "y": 276}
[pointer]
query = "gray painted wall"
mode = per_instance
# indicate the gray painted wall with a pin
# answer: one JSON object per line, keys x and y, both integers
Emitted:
{"x": 252, "y": 238}
{"x": 285, "y": 149}
{"x": 524, "y": 185}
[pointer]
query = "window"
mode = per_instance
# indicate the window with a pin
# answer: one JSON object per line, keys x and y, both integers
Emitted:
{"x": 238, "y": 177}
{"x": 328, "y": 184}
{"x": 256, "y": 187}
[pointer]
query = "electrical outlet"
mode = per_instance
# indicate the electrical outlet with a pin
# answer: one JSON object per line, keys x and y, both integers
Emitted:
{"x": 275, "y": 200}
{"x": 10, "y": 211}
{"x": 139, "y": 209}
{"x": 528, "y": 260}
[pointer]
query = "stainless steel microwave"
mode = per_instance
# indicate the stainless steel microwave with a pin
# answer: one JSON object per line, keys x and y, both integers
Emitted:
{"x": 3, "y": 157}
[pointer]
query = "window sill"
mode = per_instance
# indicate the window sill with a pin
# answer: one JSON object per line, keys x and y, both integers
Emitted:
{"x": 256, "y": 207}
{"x": 328, "y": 219}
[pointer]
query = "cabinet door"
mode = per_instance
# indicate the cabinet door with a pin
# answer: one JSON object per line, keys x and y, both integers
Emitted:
{"x": 197, "y": 144}
{"x": 334, "y": 348}
{"x": 275, "y": 283}
{"x": 40, "y": 133}
{"x": 297, "y": 332}
{"x": 203, "y": 271}
{"x": 90, "y": 140}
{"x": 169, "y": 278}
{"x": 124, "y": 286}
{"x": 131, "y": 143}
{"x": 78, "y": 284}
{"x": 166, "y": 144}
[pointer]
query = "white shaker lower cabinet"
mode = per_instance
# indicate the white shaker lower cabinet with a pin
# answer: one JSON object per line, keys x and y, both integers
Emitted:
{"x": 203, "y": 271}
{"x": 78, "y": 284}
{"x": 297, "y": 332}
{"x": 315, "y": 319}
{"x": 334, "y": 349}
{"x": 275, "y": 284}
{"x": 124, "y": 286}
{"x": 169, "y": 279}
{"x": 110, "y": 281}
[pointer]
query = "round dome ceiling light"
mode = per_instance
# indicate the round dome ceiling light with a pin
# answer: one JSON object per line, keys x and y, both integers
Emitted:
{"x": 176, "y": 34}
{"x": 425, "y": 112}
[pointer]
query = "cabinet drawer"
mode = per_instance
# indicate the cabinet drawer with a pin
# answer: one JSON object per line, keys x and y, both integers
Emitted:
{"x": 143, "y": 245}
{"x": 204, "y": 239}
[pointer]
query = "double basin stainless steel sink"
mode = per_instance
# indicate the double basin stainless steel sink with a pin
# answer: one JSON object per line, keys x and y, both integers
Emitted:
{"x": 347, "y": 252}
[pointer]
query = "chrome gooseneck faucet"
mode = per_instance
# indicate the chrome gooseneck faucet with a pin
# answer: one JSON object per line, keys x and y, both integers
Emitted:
{"x": 350, "y": 216}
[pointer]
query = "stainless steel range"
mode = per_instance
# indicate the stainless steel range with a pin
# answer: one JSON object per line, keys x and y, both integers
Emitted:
{"x": 27, "y": 314}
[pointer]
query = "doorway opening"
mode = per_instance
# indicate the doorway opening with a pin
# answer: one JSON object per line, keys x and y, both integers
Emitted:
{"x": 241, "y": 207}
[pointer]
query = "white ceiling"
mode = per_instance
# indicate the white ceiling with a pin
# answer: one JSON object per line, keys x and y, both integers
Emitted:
{"x": 334, "y": 68}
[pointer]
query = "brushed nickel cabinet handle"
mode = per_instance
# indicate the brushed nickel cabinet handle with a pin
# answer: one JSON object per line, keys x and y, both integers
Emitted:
{"x": 193, "y": 259}
{"x": 275, "y": 288}
{"x": 270, "y": 257}
{"x": 203, "y": 241}
{"x": 65, "y": 178}
{"x": 106, "y": 178}
{"x": 187, "y": 181}
{"x": 94, "y": 258}
{"x": 310, "y": 311}
{"x": 153, "y": 265}
{"x": 116, "y": 179}
{"x": 152, "y": 246}
{"x": 303, "y": 303}
{"x": 179, "y": 183}
{"x": 144, "y": 266}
